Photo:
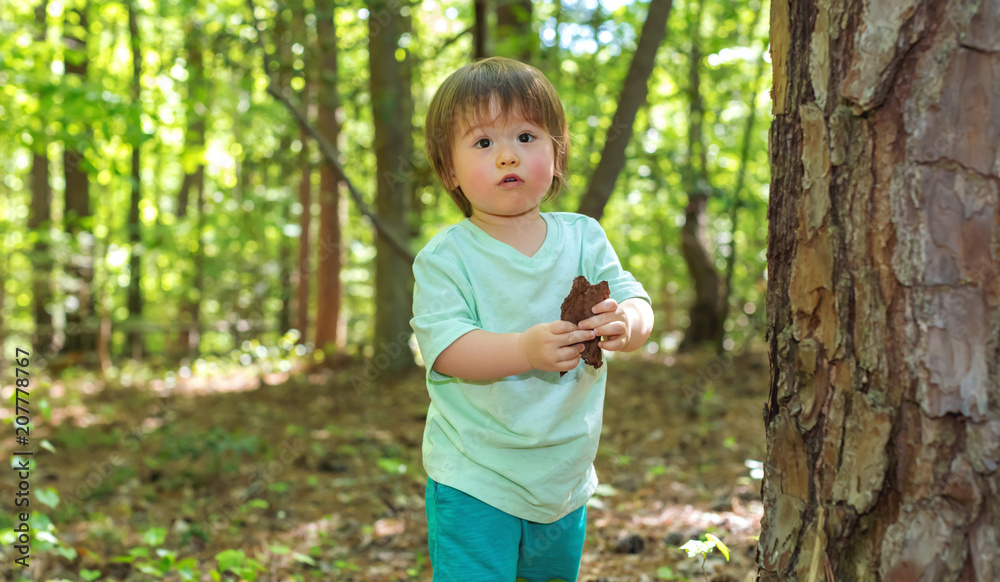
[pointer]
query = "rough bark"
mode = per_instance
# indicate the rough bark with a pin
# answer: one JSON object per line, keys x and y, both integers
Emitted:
{"x": 633, "y": 96}
{"x": 883, "y": 304}
{"x": 330, "y": 254}
{"x": 134, "y": 345}
{"x": 392, "y": 110}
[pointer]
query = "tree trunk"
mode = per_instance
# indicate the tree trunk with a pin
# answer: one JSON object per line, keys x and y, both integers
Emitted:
{"x": 194, "y": 178}
{"x": 284, "y": 31}
{"x": 40, "y": 220}
{"x": 134, "y": 344}
{"x": 480, "y": 30}
{"x": 741, "y": 172}
{"x": 515, "y": 37}
{"x": 633, "y": 96}
{"x": 81, "y": 329}
{"x": 706, "y": 322}
{"x": 392, "y": 109}
{"x": 883, "y": 302}
{"x": 330, "y": 255}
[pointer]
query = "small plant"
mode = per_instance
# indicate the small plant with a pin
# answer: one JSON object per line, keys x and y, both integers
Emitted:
{"x": 164, "y": 562}
{"x": 238, "y": 563}
{"x": 695, "y": 547}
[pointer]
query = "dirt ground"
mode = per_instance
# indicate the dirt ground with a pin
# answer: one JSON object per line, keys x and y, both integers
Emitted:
{"x": 317, "y": 475}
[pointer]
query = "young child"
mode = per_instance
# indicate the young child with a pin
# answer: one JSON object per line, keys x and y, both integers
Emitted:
{"x": 510, "y": 443}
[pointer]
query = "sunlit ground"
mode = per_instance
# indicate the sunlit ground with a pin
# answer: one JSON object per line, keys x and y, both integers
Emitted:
{"x": 316, "y": 474}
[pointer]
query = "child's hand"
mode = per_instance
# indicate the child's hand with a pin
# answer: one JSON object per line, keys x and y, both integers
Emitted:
{"x": 549, "y": 346}
{"x": 612, "y": 323}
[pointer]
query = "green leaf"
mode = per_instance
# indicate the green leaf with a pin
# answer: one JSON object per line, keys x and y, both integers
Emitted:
{"x": 48, "y": 496}
{"x": 230, "y": 559}
{"x": 67, "y": 552}
{"x": 303, "y": 558}
{"x": 279, "y": 550}
{"x": 154, "y": 536}
{"x": 89, "y": 575}
{"x": 260, "y": 503}
{"x": 718, "y": 543}
{"x": 46, "y": 409}
{"x": 45, "y": 536}
{"x": 48, "y": 446}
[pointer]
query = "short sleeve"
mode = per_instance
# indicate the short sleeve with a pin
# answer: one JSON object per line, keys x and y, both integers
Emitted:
{"x": 442, "y": 309}
{"x": 607, "y": 267}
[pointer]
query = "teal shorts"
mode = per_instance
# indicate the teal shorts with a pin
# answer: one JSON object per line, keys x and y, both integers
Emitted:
{"x": 471, "y": 540}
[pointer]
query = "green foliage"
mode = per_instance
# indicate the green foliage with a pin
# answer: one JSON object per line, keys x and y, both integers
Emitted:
{"x": 252, "y": 144}
{"x": 704, "y": 547}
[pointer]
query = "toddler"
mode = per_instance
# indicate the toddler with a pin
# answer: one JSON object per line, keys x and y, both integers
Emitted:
{"x": 509, "y": 443}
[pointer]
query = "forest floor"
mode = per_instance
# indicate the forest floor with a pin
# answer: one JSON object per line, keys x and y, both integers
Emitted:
{"x": 317, "y": 476}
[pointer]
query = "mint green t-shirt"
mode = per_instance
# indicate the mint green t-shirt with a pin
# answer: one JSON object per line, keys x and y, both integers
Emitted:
{"x": 524, "y": 444}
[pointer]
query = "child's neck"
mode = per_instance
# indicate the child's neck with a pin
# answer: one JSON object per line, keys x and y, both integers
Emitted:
{"x": 525, "y": 232}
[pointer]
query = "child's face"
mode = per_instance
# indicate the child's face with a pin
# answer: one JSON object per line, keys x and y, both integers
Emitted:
{"x": 483, "y": 156}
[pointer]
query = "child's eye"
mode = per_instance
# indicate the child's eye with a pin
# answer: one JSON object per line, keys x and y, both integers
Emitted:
{"x": 530, "y": 137}
{"x": 479, "y": 142}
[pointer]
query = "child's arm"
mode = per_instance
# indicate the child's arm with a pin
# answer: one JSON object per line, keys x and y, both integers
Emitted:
{"x": 625, "y": 326}
{"x": 482, "y": 355}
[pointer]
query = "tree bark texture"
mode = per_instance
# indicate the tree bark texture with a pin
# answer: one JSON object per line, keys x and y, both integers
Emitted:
{"x": 392, "y": 110}
{"x": 883, "y": 304}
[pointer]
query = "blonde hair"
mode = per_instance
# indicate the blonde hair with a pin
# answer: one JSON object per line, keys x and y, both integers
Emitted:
{"x": 467, "y": 96}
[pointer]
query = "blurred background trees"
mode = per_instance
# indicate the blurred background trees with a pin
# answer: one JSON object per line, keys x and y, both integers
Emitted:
{"x": 182, "y": 177}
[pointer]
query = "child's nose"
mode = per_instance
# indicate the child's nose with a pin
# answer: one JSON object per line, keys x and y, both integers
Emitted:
{"x": 507, "y": 160}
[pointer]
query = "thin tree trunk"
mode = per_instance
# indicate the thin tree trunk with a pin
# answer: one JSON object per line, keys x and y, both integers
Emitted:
{"x": 741, "y": 173}
{"x": 330, "y": 256}
{"x": 883, "y": 301}
{"x": 40, "y": 219}
{"x": 134, "y": 344}
{"x": 515, "y": 37}
{"x": 305, "y": 226}
{"x": 706, "y": 323}
{"x": 392, "y": 110}
{"x": 633, "y": 96}
{"x": 197, "y": 110}
{"x": 302, "y": 270}
{"x": 81, "y": 333}
{"x": 284, "y": 30}
{"x": 480, "y": 30}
